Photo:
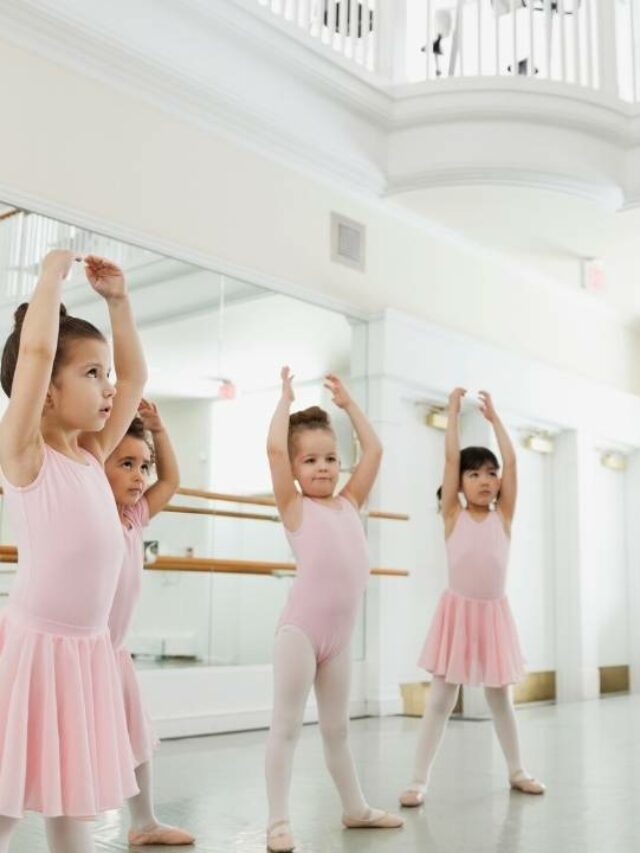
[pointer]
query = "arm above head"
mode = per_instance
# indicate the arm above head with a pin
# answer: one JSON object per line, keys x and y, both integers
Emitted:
{"x": 361, "y": 481}
{"x": 287, "y": 496}
{"x": 451, "y": 476}
{"x": 160, "y": 493}
{"x": 21, "y": 444}
{"x": 107, "y": 279}
{"x": 509, "y": 484}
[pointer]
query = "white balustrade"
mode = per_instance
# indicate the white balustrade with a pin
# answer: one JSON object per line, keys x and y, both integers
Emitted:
{"x": 346, "y": 26}
{"x": 594, "y": 44}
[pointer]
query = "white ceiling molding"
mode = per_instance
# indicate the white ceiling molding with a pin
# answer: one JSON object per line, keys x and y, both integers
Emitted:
{"x": 607, "y": 195}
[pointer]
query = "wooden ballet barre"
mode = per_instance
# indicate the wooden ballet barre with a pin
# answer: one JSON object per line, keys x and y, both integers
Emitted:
{"x": 239, "y": 567}
{"x": 244, "y": 499}
{"x": 9, "y": 554}
{"x": 254, "y": 501}
{"x": 224, "y": 513}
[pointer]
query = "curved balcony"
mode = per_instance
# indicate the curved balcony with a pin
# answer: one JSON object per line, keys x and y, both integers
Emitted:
{"x": 535, "y": 93}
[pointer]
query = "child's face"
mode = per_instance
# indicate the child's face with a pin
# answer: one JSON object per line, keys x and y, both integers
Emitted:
{"x": 315, "y": 462}
{"x": 128, "y": 470}
{"x": 81, "y": 395}
{"x": 481, "y": 487}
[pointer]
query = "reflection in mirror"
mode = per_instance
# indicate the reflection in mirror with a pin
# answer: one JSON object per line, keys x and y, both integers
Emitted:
{"x": 214, "y": 345}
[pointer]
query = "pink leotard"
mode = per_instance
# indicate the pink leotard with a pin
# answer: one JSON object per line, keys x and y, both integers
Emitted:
{"x": 473, "y": 638}
{"x": 143, "y": 741}
{"x": 65, "y": 748}
{"x": 332, "y": 562}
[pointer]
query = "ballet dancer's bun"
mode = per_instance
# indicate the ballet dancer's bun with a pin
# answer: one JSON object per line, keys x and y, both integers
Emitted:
{"x": 312, "y": 418}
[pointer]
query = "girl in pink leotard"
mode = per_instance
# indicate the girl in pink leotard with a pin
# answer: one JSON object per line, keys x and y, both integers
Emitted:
{"x": 64, "y": 747}
{"x": 312, "y": 641}
{"x": 128, "y": 469}
{"x": 473, "y": 638}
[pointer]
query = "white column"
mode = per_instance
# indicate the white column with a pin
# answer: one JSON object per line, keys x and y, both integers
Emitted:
{"x": 633, "y": 564}
{"x": 387, "y": 599}
{"x": 577, "y": 674}
{"x": 390, "y": 26}
{"x": 607, "y": 48}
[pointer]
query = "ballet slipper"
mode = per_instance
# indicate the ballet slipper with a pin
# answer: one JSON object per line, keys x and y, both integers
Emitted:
{"x": 411, "y": 798}
{"x": 385, "y": 821}
{"x": 279, "y": 839}
{"x": 161, "y": 835}
{"x": 526, "y": 784}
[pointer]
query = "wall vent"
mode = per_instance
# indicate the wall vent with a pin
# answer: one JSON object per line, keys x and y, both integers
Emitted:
{"x": 348, "y": 242}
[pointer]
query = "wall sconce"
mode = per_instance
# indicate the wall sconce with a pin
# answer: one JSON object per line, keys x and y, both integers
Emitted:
{"x": 613, "y": 460}
{"x": 436, "y": 419}
{"x": 538, "y": 442}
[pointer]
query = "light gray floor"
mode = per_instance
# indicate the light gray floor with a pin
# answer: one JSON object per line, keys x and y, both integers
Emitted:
{"x": 587, "y": 753}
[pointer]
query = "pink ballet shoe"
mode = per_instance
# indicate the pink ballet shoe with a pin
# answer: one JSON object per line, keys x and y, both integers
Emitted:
{"x": 279, "y": 839}
{"x": 170, "y": 836}
{"x": 527, "y": 785}
{"x": 411, "y": 799}
{"x": 385, "y": 821}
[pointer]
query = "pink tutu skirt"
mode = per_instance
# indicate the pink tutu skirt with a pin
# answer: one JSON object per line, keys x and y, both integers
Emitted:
{"x": 64, "y": 747}
{"x": 473, "y": 641}
{"x": 143, "y": 741}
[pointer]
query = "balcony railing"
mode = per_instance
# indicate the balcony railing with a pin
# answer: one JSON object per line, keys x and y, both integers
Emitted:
{"x": 593, "y": 44}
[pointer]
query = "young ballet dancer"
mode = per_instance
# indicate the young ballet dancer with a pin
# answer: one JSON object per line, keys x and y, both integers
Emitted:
{"x": 312, "y": 641}
{"x": 473, "y": 638}
{"x": 64, "y": 746}
{"x": 128, "y": 469}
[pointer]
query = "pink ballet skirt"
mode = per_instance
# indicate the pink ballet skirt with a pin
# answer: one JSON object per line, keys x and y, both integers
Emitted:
{"x": 143, "y": 740}
{"x": 63, "y": 736}
{"x": 473, "y": 638}
{"x": 141, "y": 736}
{"x": 64, "y": 745}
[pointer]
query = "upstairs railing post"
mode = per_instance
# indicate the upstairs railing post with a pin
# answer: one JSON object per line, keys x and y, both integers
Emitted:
{"x": 391, "y": 39}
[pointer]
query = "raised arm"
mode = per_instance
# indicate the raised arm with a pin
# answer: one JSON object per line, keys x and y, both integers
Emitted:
{"x": 160, "y": 493}
{"x": 108, "y": 280}
{"x": 509, "y": 483}
{"x": 361, "y": 481}
{"x": 287, "y": 496}
{"x": 450, "y": 505}
{"x": 21, "y": 443}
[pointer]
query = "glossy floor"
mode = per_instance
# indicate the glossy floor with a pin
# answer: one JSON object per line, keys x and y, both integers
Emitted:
{"x": 587, "y": 753}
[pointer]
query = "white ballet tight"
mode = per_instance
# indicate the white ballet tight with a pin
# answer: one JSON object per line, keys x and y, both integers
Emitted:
{"x": 64, "y": 834}
{"x": 141, "y": 806}
{"x": 441, "y": 702}
{"x": 67, "y": 835}
{"x": 7, "y": 825}
{"x": 295, "y": 672}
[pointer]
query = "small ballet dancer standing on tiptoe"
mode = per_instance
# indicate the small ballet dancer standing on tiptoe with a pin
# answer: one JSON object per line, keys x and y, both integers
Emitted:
{"x": 312, "y": 645}
{"x": 473, "y": 639}
{"x": 64, "y": 746}
{"x": 128, "y": 470}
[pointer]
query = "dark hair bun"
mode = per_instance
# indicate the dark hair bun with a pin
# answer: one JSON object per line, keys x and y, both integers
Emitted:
{"x": 19, "y": 315}
{"x": 313, "y": 417}
{"x": 136, "y": 429}
{"x": 21, "y": 312}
